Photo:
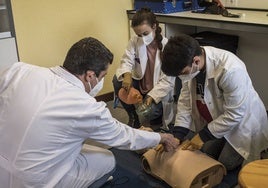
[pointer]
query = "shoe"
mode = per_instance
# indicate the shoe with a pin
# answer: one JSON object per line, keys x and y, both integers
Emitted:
{"x": 264, "y": 154}
{"x": 134, "y": 120}
{"x": 110, "y": 178}
{"x": 156, "y": 121}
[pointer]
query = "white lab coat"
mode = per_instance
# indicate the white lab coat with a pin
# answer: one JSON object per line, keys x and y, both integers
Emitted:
{"x": 135, "y": 60}
{"x": 45, "y": 116}
{"x": 237, "y": 111}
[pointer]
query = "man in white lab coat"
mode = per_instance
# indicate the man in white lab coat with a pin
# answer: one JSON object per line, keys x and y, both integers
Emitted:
{"x": 47, "y": 113}
{"x": 217, "y": 101}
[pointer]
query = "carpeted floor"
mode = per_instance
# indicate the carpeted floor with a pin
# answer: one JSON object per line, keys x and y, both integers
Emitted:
{"x": 130, "y": 174}
{"x": 118, "y": 113}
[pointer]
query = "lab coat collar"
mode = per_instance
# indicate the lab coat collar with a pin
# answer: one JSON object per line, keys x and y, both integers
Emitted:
{"x": 64, "y": 74}
{"x": 209, "y": 63}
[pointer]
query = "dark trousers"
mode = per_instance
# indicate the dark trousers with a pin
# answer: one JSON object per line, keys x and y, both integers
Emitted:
{"x": 222, "y": 151}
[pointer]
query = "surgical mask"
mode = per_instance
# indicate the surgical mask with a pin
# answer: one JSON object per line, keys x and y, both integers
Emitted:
{"x": 148, "y": 39}
{"x": 194, "y": 71}
{"x": 96, "y": 89}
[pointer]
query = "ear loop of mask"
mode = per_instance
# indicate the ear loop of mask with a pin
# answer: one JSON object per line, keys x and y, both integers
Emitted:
{"x": 90, "y": 87}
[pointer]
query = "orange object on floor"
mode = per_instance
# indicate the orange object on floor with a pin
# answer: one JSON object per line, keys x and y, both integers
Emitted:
{"x": 254, "y": 174}
{"x": 133, "y": 97}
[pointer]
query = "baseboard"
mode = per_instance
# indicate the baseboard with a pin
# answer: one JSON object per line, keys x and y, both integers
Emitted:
{"x": 105, "y": 97}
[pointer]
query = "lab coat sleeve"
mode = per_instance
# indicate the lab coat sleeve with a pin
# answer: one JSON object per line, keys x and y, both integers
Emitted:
{"x": 128, "y": 59}
{"x": 164, "y": 86}
{"x": 184, "y": 108}
{"x": 233, "y": 86}
{"x": 7, "y": 74}
{"x": 98, "y": 124}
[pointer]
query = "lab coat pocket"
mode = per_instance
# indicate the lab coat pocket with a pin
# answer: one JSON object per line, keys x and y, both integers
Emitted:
{"x": 218, "y": 100}
{"x": 168, "y": 110}
{"x": 168, "y": 113}
{"x": 218, "y": 92}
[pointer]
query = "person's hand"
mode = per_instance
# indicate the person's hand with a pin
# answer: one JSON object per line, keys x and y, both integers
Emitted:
{"x": 139, "y": 97}
{"x": 127, "y": 81}
{"x": 146, "y": 129}
{"x": 168, "y": 142}
{"x": 194, "y": 144}
{"x": 219, "y": 4}
{"x": 149, "y": 100}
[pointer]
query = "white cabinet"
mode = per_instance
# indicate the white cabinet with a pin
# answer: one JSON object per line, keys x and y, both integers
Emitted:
{"x": 8, "y": 52}
{"x": 8, "y": 47}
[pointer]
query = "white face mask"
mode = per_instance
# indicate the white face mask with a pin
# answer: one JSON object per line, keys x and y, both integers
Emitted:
{"x": 148, "y": 39}
{"x": 187, "y": 77}
{"x": 96, "y": 89}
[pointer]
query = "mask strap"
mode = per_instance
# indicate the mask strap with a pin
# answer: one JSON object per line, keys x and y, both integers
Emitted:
{"x": 97, "y": 80}
{"x": 90, "y": 87}
{"x": 192, "y": 69}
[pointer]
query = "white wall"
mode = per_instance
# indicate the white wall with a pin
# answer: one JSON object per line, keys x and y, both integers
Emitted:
{"x": 255, "y": 4}
{"x": 45, "y": 30}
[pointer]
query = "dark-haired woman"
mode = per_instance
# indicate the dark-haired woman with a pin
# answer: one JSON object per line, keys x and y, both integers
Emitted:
{"x": 141, "y": 68}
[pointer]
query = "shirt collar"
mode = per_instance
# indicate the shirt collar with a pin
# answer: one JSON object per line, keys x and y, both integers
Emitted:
{"x": 64, "y": 74}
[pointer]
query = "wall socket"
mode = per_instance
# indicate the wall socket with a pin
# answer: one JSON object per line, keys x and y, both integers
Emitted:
{"x": 231, "y": 3}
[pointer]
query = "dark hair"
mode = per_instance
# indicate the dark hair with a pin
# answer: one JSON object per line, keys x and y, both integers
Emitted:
{"x": 179, "y": 53}
{"x": 146, "y": 15}
{"x": 87, "y": 54}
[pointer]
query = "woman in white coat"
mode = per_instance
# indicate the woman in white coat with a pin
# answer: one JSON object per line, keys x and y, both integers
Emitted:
{"x": 218, "y": 102}
{"x": 141, "y": 68}
{"x": 46, "y": 114}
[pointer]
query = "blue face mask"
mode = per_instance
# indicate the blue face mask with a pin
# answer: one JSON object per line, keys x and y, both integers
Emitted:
{"x": 187, "y": 77}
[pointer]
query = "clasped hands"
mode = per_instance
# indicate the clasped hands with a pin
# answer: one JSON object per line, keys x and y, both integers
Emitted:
{"x": 195, "y": 143}
{"x": 169, "y": 143}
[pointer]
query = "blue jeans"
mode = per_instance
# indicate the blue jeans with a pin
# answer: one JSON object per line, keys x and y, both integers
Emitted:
{"x": 222, "y": 151}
